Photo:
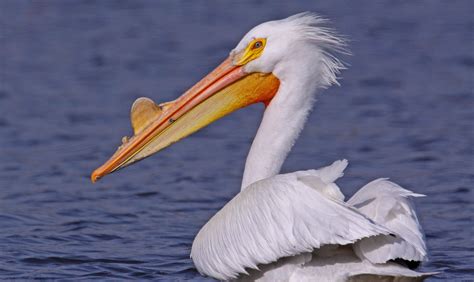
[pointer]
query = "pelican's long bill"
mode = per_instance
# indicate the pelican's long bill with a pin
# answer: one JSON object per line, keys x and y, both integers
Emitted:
{"x": 221, "y": 92}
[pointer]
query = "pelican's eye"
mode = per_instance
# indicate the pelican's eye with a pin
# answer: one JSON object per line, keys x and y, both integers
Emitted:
{"x": 253, "y": 51}
{"x": 257, "y": 44}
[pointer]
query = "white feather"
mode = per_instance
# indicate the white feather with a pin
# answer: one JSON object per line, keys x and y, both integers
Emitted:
{"x": 390, "y": 205}
{"x": 323, "y": 179}
{"x": 341, "y": 264}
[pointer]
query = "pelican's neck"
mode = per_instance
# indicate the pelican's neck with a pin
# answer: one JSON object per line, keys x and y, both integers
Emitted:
{"x": 281, "y": 125}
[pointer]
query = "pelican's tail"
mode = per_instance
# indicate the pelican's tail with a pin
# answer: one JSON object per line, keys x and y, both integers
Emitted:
{"x": 390, "y": 205}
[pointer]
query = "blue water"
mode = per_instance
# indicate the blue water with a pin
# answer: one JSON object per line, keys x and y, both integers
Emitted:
{"x": 69, "y": 71}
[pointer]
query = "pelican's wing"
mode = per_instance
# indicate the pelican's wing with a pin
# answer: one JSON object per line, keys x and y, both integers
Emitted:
{"x": 278, "y": 217}
{"x": 390, "y": 205}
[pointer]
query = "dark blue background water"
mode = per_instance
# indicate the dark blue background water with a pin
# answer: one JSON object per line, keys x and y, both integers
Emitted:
{"x": 69, "y": 71}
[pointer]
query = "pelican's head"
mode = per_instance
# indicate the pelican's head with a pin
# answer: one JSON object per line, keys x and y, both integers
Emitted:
{"x": 298, "y": 48}
{"x": 297, "y": 44}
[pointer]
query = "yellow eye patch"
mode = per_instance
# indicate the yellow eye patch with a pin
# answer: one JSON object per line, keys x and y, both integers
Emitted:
{"x": 253, "y": 51}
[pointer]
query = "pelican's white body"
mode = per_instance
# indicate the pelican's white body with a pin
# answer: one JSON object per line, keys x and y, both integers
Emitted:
{"x": 302, "y": 217}
{"x": 297, "y": 226}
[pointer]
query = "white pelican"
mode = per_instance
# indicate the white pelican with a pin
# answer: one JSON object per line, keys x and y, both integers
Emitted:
{"x": 288, "y": 227}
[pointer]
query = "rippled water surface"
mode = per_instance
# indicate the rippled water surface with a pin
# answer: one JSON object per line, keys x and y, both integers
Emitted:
{"x": 69, "y": 71}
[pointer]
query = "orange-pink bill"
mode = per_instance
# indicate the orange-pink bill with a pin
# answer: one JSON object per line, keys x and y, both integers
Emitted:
{"x": 224, "y": 90}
